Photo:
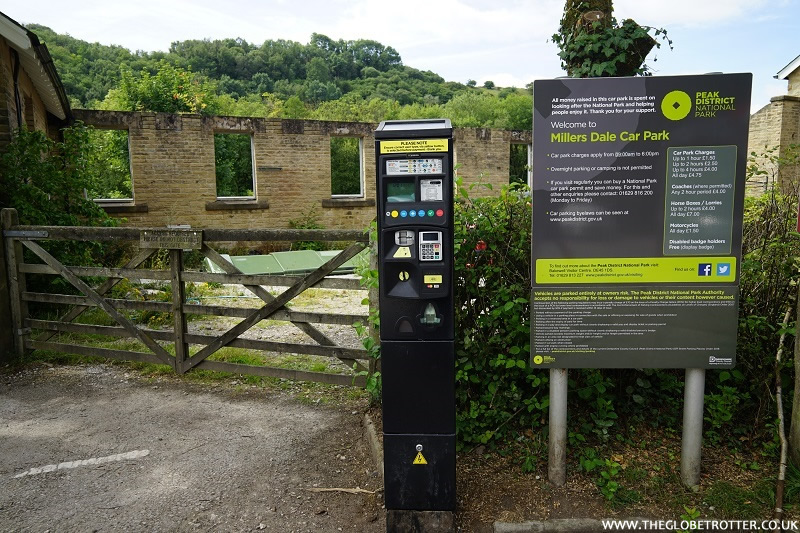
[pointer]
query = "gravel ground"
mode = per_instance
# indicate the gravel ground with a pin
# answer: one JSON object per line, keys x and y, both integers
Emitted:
{"x": 167, "y": 455}
{"x": 333, "y": 301}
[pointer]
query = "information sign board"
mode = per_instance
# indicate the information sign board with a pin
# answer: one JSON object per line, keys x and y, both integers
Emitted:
{"x": 638, "y": 193}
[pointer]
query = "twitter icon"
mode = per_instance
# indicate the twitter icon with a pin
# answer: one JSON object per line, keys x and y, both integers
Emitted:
{"x": 723, "y": 269}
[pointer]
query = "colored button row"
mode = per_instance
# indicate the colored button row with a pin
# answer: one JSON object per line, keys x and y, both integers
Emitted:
{"x": 421, "y": 213}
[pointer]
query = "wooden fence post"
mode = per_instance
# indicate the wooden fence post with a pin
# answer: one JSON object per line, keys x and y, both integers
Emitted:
{"x": 178, "y": 316}
{"x": 374, "y": 296}
{"x": 6, "y": 320}
{"x": 15, "y": 283}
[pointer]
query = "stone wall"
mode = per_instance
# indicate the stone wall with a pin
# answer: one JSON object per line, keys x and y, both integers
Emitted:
{"x": 174, "y": 178}
{"x": 776, "y": 126}
{"x": 34, "y": 114}
{"x": 794, "y": 83}
{"x": 483, "y": 157}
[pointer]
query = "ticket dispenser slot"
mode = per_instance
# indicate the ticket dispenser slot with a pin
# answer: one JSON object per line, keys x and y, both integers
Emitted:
{"x": 414, "y": 171}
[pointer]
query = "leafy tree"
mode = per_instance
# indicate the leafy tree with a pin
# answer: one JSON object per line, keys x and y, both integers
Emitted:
{"x": 262, "y": 83}
{"x": 488, "y": 84}
{"x": 518, "y": 164}
{"x": 286, "y": 89}
{"x": 318, "y": 70}
{"x": 415, "y": 111}
{"x": 45, "y": 179}
{"x": 345, "y": 166}
{"x": 228, "y": 85}
{"x": 170, "y": 90}
{"x": 352, "y": 107}
{"x": 471, "y": 83}
{"x": 110, "y": 161}
{"x": 316, "y": 91}
{"x": 240, "y": 69}
{"x": 87, "y": 70}
{"x": 472, "y": 109}
{"x": 328, "y": 79}
{"x": 252, "y": 105}
{"x": 294, "y": 108}
{"x": 404, "y": 84}
{"x": 515, "y": 112}
{"x": 369, "y": 72}
{"x": 233, "y": 161}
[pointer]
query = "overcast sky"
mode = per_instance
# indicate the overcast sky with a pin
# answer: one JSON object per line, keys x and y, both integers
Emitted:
{"x": 505, "y": 41}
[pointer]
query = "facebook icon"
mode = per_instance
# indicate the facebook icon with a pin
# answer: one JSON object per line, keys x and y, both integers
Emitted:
{"x": 704, "y": 269}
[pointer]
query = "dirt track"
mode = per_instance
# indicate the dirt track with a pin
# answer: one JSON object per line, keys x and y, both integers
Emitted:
{"x": 154, "y": 456}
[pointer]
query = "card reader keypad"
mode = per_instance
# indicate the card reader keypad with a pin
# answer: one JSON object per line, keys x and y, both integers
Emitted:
{"x": 430, "y": 251}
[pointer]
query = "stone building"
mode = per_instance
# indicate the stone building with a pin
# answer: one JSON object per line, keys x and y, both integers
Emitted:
{"x": 174, "y": 178}
{"x": 31, "y": 93}
{"x": 791, "y": 73}
{"x": 776, "y": 127}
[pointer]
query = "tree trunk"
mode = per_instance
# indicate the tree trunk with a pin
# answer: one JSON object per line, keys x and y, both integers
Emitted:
{"x": 574, "y": 11}
{"x": 595, "y": 16}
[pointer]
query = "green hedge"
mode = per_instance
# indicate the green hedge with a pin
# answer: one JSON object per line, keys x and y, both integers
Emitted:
{"x": 500, "y": 398}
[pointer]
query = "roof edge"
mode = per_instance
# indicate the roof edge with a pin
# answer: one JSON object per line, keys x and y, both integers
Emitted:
{"x": 20, "y": 38}
{"x": 788, "y": 69}
{"x": 49, "y": 67}
{"x": 27, "y": 42}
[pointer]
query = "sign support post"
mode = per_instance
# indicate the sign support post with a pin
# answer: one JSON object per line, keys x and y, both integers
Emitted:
{"x": 692, "y": 433}
{"x": 557, "y": 438}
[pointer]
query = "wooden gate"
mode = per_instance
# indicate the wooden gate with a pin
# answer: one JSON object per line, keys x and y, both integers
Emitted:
{"x": 172, "y": 347}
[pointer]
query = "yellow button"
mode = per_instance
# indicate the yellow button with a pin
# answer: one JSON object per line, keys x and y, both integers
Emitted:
{"x": 395, "y": 214}
{"x": 432, "y": 279}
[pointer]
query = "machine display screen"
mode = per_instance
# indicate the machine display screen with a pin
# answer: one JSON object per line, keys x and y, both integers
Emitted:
{"x": 400, "y": 191}
{"x": 430, "y": 236}
{"x": 397, "y": 167}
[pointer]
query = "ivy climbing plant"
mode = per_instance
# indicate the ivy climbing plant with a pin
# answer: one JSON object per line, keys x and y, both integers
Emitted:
{"x": 593, "y": 44}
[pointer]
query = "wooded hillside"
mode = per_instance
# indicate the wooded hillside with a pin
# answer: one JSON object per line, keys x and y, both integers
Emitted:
{"x": 326, "y": 79}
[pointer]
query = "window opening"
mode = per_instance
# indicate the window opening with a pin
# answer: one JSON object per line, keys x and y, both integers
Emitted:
{"x": 110, "y": 164}
{"x": 233, "y": 157}
{"x": 347, "y": 169}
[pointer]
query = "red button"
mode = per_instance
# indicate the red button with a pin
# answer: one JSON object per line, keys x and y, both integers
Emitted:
{"x": 439, "y": 213}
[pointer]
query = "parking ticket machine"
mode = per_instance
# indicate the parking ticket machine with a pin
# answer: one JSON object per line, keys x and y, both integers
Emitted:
{"x": 414, "y": 160}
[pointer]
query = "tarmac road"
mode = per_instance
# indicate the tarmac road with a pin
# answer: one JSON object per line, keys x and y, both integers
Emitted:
{"x": 96, "y": 448}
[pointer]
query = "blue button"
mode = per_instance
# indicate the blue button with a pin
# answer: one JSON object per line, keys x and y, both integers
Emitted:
{"x": 412, "y": 213}
{"x": 404, "y": 213}
{"x": 422, "y": 212}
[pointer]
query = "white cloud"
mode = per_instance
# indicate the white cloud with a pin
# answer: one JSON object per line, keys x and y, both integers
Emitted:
{"x": 505, "y": 42}
{"x": 416, "y": 24}
{"x": 690, "y": 13}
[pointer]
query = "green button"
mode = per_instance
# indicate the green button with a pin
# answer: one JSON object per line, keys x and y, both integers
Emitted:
{"x": 430, "y": 212}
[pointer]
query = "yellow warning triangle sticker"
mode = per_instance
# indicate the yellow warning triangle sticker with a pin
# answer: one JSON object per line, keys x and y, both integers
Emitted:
{"x": 420, "y": 459}
{"x": 403, "y": 251}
